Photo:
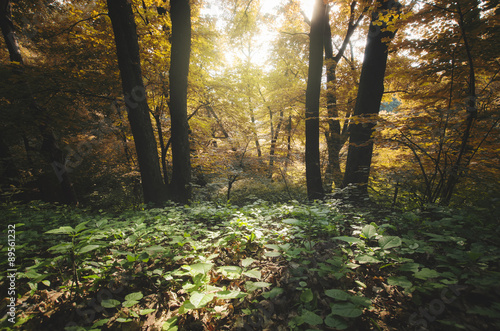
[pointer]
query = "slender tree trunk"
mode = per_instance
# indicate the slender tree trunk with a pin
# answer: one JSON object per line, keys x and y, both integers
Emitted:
{"x": 163, "y": 149}
{"x": 50, "y": 149}
{"x": 274, "y": 138}
{"x": 127, "y": 50}
{"x": 254, "y": 129}
{"x": 288, "y": 141}
{"x": 180, "y": 14}
{"x": 471, "y": 113}
{"x": 336, "y": 135}
{"x": 371, "y": 88}
{"x": 313, "y": 167}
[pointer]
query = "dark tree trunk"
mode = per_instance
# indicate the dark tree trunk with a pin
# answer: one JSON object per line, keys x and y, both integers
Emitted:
{"x": 8, "y": 31}
{"x": 371, "y": 88}
{"x": 336, "y": 135}
{"x": 50, "y": 149}
{"x": 180, "y": 13}
{"x": 127, "y": 50}
{"x": 313, "y": 167}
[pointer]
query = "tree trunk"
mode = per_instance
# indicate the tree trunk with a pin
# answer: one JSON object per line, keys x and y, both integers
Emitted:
{"x": 127, "y": 51}
{"x": 371, "y": 88}
{"x": 274, "y": 139}
{"x": 313, "y": 168}
{"x": 50, "y": 149}
{"x": 471, "y": 107}
{"x": 180, "y": 13}
{"x": 336, "y": 135}
{"x": 254, "y": 129}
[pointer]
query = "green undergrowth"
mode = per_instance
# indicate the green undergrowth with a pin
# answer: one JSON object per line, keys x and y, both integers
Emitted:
{"x": 288, "y": 266}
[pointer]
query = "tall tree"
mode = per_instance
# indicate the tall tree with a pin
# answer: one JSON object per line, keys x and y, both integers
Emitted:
{"x": 180, "y": 14}
{"x": 371, "y": 89}
{"x": 50, "y": 148}
{"x": 337, "y": 134}
{"x": 313, "y": 168}
{"x": 127, "y": 50}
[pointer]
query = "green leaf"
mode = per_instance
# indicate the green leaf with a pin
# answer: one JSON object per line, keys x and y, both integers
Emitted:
{"x": 335, "y": 322}
{"x": 123, "y": 320}
{"x": 369, "y": 231}
{"x": 307, "y": 295}
{"x": 32, "y": 274}
{"x": 81, "y": 226}
{"x": 483, "y": 311}
{"x": 252, "y": 286}
{"x": 350, "y": 240}
{"x": 292, "y": 221}
{"x": 399, "y": 281}
{"x": 346, "y": 310}
{"x": 110, "y": 303}
{"x": 231, "y": 272}
{"x": 413, "y": 267}
{"x": 426, "y": 273}
{"x": 146, "y": 311}
{"x": 129, "y": 303}
{"x": 311, "y": 318}
{"x": 169, "y": 325}
{"x": 88, "y": 248}
{"x": 200, "y": 268}
{"x": 389, "y": 242}
{"x": 131, "y": 258}
{"x": 275, "y": 291}
{"x": 134, "y": 296}
{"x": 254, "y": 273}
{"x": 199, "y": 300}
{"x": 337, "y": 294}
{"x": 100, "y": 323}
{"x": 228, "y": 295}
{"x": 367, "y": 259}
{"x": 246, "y": 262}
{"x": 46, "y": 282}
{"x": 272, "y": 254}
{"x": 155, "y": 249}
{"x": 62, "y": 230}
{"x": 361, "y": 301}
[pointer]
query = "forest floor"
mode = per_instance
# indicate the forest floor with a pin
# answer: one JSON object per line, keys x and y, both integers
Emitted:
{"x": 289, "y": 266}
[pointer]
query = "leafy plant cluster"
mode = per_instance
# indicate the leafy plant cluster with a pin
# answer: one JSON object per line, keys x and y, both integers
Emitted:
{"x": 260, "y": 266}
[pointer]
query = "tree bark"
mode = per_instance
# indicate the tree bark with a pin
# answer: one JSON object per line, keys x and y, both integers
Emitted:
{"x": 336, "y": 135}
{"x": 180, "y": 14}
{"x": 127, "y": 51}
{"x": 371, "y": 88}
{"x": 313, "y": 167}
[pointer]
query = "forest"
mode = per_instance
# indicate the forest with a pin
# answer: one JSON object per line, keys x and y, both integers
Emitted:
{"x": 250, "y": 165}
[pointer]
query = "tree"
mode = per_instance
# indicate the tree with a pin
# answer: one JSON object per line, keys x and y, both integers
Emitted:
{"x": 180, "y": 14}
{"x": 371, "y": 88}
{"x": 313, "y": 168}
{"x": 451, "y": 92}
{"x": 53, "y": 154}
{"x": 336, "y": 134}
{"x": 127, "y": 51}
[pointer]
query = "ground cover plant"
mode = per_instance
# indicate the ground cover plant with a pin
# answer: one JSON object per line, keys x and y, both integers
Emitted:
{"x": 285, "y": 266}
